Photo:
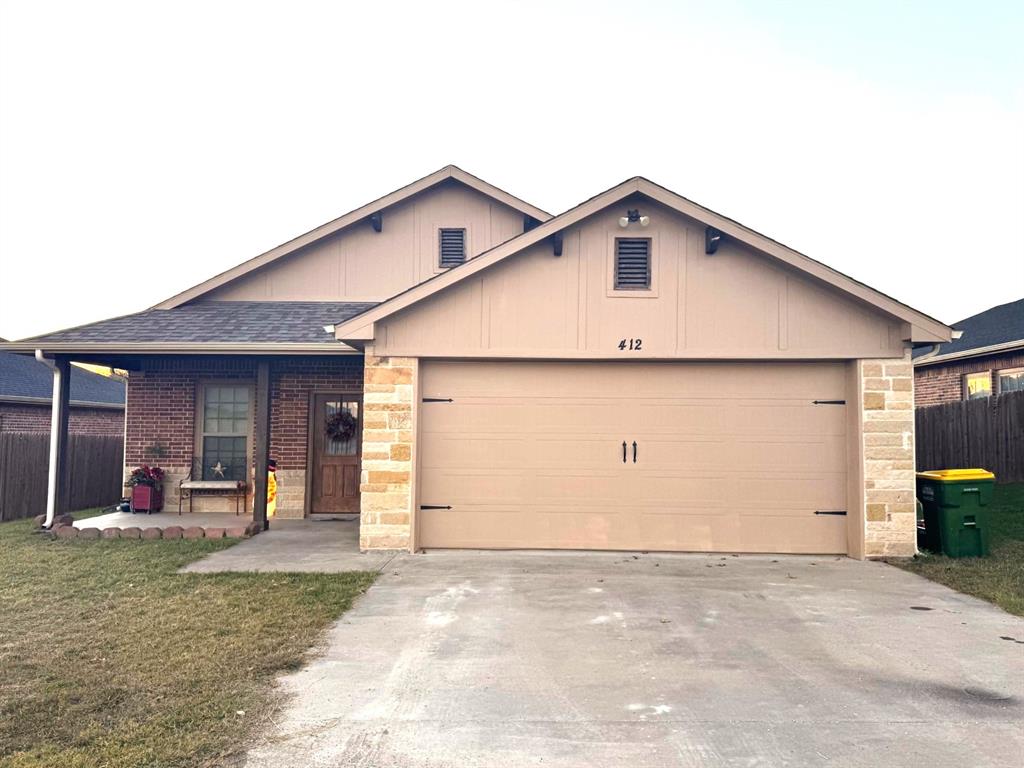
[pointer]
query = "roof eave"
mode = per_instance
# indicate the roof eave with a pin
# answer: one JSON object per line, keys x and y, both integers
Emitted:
{"x": 992, "y": 349}
{"x": 172, "y": 348}
{"x": 24, "y": 400}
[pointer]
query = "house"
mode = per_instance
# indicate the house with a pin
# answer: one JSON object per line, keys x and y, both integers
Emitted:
{"x": 987, "y": 359}
{"x": 462, "y": 369}
{"x": 26, "y": 386}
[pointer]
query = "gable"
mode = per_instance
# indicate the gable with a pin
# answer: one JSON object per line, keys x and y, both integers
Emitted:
{"x": 736, "y": 303}
{"x": 360, "y": 264}
{"x": 492, "y": 214}
{"x": 920, "y": 327}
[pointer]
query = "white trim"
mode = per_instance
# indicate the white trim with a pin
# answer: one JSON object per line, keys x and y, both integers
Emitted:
{"x": 20, "y": 400}
{"x": 1005, "y": 346}
{"x": 175, "y": 347}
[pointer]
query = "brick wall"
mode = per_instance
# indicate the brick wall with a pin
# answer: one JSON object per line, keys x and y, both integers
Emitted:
{"x": 388, "y": 453}
{"x": 887, "y": 434}
{"x": 943, "y": 382}
{"x": 291, "y": 385}
{"x": 162, "y": 404}
{"x": 24, "y": 417}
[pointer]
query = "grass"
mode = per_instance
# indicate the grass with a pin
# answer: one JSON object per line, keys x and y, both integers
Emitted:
{"x": 998, "y": 578}
{"x": 110, "y": 658}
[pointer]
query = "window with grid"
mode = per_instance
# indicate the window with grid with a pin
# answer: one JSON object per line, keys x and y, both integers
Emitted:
{"x": 452, "y": 248}
{"x": 632, "y": 263}
{"x": 224, "y": 431}
{"x": 1011, "y": 380}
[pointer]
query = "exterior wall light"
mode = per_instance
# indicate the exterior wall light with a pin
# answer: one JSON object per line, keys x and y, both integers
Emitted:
{"x": 634, "y": 215}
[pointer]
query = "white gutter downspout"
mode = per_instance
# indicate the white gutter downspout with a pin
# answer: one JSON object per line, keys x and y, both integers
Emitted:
{"x": 51, "y": 482}
{"x": 935, "y": 348}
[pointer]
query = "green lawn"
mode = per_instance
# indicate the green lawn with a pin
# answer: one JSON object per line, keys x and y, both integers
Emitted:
{"x": 998, "y": 578}
{"x": 110, "y": 658}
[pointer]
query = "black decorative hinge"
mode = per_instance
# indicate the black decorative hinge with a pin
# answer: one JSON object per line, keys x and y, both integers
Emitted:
{"x": 434, "y": 506}
{"x": 830, "y": 512}
{"x": 438, "y": 400}
{"x": 829, "y": 402}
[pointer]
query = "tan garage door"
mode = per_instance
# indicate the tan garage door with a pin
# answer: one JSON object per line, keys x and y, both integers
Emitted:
{"x": 728, "y": 457}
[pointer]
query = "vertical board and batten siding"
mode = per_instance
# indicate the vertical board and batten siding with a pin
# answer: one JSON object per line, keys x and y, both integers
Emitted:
{"x": 986, "y": 433}
{"x": 359, "y": 264}
{"x": 94, "y": 467}
{"x": 735, "y": 304}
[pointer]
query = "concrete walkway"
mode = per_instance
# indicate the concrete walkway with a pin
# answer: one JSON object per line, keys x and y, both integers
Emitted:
{"x": 575, "y": 660}
{"x": 323, "y": 545}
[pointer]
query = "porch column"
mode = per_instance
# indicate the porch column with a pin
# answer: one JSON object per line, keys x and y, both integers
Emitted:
{"x": 259, "y": 502}
{"x": 57, "y": 481}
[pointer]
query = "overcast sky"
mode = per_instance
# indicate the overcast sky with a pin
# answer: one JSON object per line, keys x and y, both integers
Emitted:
{"x": 145, "y": 147}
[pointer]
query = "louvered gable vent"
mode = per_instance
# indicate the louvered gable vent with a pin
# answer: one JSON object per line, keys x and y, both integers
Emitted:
{"x": 632, "y": 263}
{"x": 453, "y": 247}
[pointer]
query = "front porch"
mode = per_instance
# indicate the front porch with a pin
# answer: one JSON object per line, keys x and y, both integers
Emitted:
{"x": 337, "y": 428}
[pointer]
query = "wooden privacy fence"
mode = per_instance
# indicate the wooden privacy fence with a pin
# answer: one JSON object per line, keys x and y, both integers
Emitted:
{"x": 94, "y": 465}
{"x": 987, "y": 433}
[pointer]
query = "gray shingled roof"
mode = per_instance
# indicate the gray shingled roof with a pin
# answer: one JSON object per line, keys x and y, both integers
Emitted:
{"x": 24, "y": 376}
{"x": 998, "y": 325}
{"x": 242, "y": 322}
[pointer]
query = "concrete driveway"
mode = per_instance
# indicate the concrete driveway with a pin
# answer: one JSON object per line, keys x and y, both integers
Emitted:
{"x": 572, "y": 660}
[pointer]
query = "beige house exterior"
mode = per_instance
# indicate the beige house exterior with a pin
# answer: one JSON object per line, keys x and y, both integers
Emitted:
{"x": 637, "y": 373}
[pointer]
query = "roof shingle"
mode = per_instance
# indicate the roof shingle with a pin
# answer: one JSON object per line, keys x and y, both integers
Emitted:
{"x": 241, "y": 322}
{"x": 998, "y": 325}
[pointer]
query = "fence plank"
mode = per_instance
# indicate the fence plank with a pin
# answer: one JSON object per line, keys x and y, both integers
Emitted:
{"x": 987, "y": 433}
{"x": 94, "y": 466}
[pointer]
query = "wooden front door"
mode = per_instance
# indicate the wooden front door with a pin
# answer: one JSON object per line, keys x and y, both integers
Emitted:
{"x": 337, "y": 432}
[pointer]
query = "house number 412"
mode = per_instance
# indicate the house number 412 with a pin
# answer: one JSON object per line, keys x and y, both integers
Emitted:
{"x": 631, "y": 344}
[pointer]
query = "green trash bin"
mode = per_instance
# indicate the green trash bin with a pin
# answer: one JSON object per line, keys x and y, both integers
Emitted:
{"x": 955, "y": 514}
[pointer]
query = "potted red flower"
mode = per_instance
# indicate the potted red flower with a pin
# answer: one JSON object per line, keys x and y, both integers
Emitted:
{"x": 147, "y": 485}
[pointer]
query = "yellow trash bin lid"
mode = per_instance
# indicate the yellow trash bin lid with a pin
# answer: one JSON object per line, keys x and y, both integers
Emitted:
{"x": 957, "y": 475}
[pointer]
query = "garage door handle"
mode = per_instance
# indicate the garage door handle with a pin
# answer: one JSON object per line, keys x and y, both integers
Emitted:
{"x": 623, "y": 451}
{"x": 634, "y": 451}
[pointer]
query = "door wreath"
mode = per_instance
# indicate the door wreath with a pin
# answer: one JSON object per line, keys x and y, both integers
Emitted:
{"x": 340, "y": 426}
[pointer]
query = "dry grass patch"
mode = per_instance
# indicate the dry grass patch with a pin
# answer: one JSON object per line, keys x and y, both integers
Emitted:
{"x": 111, "y": 658}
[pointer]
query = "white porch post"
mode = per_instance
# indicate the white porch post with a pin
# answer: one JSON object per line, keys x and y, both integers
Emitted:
{"x": 56, "y": 488}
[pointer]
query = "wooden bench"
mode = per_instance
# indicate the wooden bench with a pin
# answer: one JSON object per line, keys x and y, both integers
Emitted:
{"x": 232, "y": 489}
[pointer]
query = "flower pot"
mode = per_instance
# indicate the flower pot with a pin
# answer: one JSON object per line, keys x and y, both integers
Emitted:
{"x": 147, "y": 498}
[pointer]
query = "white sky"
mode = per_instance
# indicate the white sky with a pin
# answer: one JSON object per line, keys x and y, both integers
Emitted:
{"x": 146, "y": 147}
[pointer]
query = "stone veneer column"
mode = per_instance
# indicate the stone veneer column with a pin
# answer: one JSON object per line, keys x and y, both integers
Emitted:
{"x": 389, "y": 392}
{"x": 887, "y": 432}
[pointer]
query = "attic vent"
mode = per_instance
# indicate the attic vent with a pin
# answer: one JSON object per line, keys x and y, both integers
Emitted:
{"x": 453, "y": 247}
{"x": 632, "y": 263}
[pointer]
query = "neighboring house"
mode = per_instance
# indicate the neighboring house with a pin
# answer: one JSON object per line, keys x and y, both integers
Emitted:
{"x": 465, "y": 370}
{"x": 987, "y": 359}
{"x": 26, "y": 387}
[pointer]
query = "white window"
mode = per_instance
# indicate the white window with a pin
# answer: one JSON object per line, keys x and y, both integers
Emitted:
{"x": 224, "y": 427}
{"x": 1011, "y": 380}
{"x": 977, "y": 385}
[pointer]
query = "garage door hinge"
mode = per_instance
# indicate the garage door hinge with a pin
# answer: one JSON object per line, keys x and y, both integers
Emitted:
{"x": 830, "y": 512}
{"x": 437, "y": 400}
{"x": 830, "y": 402}
{"x": 434, "y": 506}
